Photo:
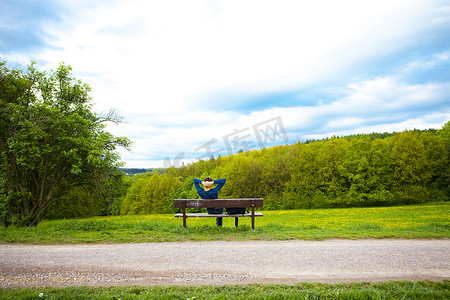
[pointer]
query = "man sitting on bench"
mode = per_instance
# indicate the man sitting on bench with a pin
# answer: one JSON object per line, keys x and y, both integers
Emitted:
{"x": 209, "y": 193}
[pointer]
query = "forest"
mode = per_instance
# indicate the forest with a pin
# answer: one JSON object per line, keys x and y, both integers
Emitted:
{"x": 408, "y": 167}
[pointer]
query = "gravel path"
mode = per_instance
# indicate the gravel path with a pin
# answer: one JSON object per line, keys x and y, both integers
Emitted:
{"x": 198, "y": 263}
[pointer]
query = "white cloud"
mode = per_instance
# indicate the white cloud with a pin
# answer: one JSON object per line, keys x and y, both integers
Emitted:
{"x": 171, "y": 67}
{"x": 370, "y": 106}
{"x": 179, "y": 51}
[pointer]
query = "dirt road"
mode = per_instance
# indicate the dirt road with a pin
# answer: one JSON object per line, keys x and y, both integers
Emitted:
{"x": 198, "y": 263}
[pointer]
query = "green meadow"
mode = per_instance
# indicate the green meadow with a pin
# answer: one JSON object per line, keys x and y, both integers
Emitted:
{"x": 360, "y": 291}
{"x": 428, "y": 221}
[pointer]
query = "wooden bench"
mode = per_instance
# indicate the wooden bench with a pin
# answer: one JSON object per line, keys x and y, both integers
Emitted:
{"x": 218, "y": 203}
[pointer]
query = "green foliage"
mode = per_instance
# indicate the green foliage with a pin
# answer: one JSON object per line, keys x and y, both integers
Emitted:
{"x": 79, "y": 201}
{"x": 92, "y": 200}
{"x": 151, "y": 193}
{"x": 444, "y": 133}
{"x": 50, "y": 142}
{"x": 358, "y": 171}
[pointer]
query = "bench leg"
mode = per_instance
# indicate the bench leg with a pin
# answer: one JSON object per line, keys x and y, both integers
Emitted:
{"x": 236, "y": 222}
{"x": 184, "y": 217}
{"x": 253, "y": 218}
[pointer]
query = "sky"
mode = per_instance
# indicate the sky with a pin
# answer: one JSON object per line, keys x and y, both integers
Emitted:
{"x": 195, "y": 79}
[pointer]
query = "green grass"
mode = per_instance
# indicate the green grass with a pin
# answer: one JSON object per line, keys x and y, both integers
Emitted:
{"x": 381, "y": 290}
{"x": 417, "y": 221}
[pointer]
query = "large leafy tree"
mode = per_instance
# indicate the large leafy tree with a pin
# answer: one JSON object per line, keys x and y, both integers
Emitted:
{"x": 51, "y": 141}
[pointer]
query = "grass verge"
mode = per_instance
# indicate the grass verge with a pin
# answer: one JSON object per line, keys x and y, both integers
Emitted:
{"x": 380, "y": 290}
{"x": 430, "y": 221}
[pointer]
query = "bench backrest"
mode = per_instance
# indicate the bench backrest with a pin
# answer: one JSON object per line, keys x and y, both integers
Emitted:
{"x": 217, "y": 203}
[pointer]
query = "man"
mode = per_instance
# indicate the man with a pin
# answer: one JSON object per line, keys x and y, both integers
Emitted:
{"x": 208, "y": 193}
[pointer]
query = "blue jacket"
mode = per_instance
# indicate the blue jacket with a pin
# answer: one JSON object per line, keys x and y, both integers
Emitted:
{"x": 212, "y": 193}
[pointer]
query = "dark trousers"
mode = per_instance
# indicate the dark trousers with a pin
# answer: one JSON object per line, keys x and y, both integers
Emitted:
{"x": 216, "y": 211}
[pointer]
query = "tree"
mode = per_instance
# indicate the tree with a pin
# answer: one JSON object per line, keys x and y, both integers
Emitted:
{"x": 275, "y": 174}
{"x": 330, "y": 176}
{"x": 437, "y": 164}
{"x": 50, "y": 141}
{"x": 444, "y": 133}
{"x": 409, "y": 163}
{"x": 366, "y": 168}
{"x": 303, "y": 186}
{"x": 243, "y": 176}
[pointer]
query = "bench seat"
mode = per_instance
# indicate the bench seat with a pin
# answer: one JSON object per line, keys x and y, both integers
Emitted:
{"x": 200, "y": 215}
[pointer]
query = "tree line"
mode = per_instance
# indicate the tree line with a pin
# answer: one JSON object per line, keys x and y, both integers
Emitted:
{"x": 355, "y": 171}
